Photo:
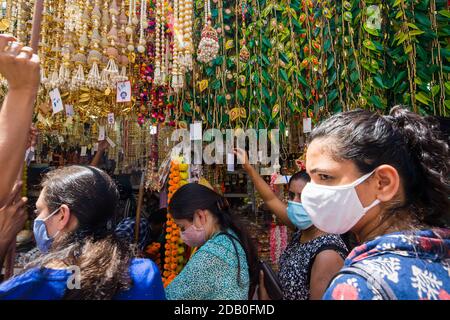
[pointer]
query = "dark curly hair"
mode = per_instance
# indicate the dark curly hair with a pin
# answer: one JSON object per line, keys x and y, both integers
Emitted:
{"x": 103, "y": 258}
{"x": 412, "y": 144}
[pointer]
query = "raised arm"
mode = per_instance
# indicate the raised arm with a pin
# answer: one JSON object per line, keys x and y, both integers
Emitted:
{"x": 12, "y": 219}
{"x": 278, "y": 207}
{"x": 102, "y": 146}
{"x": 20, "y": 67}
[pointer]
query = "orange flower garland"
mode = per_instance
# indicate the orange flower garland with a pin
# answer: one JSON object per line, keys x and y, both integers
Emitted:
{"x": 154, "y": 253}
{"x": 174, "y": 255}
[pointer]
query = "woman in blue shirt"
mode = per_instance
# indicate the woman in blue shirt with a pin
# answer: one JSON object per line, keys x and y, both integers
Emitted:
{"x": 81, "y": 258}
{"x": 225, "y": 265}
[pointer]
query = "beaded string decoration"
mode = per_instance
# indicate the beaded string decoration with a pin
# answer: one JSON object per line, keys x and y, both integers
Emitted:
{"x": 176, "y": 79}
{"x": 159, "y": 43}
{"x": 209, "y": 43}
{"x": 143, "y": 25}
{"x": 112, "y": 71}
{"x": 129, "y": 30}
{"x": 244, "y": 54}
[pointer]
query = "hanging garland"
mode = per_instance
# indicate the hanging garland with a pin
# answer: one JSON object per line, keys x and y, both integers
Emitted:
{"x": 175, "y": 257}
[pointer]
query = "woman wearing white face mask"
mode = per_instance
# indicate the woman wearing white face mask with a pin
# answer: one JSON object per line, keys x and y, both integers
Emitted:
{"x": 225, "y": 265}
{"x": 385, "y": 179}
{"x": 312, "y": 257}
{"x": 82, "y": 259}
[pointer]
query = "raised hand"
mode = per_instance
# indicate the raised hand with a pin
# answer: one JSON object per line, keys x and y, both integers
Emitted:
{"x": 13, "y": 215}
{"x": 242, "y": 156}
{"x": 18, "y": 65}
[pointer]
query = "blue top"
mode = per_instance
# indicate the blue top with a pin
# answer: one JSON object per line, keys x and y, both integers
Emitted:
{"x": 51, "y": 284}
{"x": 212, "y": 273}
{"x": 414, "y": 265}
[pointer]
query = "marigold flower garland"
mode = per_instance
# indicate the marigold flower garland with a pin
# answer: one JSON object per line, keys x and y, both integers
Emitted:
{"x": 174, "y": 257}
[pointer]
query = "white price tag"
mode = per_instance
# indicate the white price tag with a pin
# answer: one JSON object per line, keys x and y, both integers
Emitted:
{"x": 153, "y": 130}
{"x": 69, "y": 110}
{"x": 124, "y": 91}
{"x": 61, "y": 139}
{"x": 95, "y": 147}
{"x": 111, "y": 118}
{"x": 83, "y": 151}
{"x": 57, "y": 104}
{"x": 306, "y": 125}
{"x": 101, "y": 133}
{"x": 111, "y": 143}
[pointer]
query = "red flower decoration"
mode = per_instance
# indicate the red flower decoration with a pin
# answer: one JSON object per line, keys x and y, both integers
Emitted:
{"x": 344, "y": 291}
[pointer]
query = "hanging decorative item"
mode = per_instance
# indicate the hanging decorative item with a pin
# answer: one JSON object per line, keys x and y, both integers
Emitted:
{"x": 209, "y": 43}
{"x": 152, "y": 177}
{"x": 187, "y": 46}
{"x": 112, "y": 71}
{"x": 143, "y": 25}
{"x": 278, "y": 241}
{"x": 244, "y": 54}
{"x": 153, "y": 250}
{"x": 177, "y": 80}
{"x": 160, "y": 41}
{"x": 174, "y": 257}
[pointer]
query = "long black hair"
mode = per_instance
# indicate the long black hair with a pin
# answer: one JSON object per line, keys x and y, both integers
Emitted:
{"x": 410, "y": 143}
{"x": 192, "y": 197}
{"x": 103, "y": 259}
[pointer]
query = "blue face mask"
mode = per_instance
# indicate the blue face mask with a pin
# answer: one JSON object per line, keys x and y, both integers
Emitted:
{"x": 298, "y": 216}
{"x": 43, "y": 241}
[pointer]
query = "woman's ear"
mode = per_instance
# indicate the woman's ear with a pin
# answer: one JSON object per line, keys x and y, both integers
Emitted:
{"x": 201, "y": 217}
{"x": 387, "y": 182}
{"x": 64, "y": 218}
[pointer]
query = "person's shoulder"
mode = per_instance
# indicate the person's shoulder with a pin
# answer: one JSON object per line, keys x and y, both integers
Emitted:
{"x": 143, "y": 271}
{"x": 348, "y": 287}
{"x": 146, "y": 282}
{"x": 23, "y": 285}
{"x": 222, "y": 243}
{"x": 25, "y": 278}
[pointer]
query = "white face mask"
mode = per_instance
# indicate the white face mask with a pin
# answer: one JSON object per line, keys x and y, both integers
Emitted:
{"x": 335, "y": 209}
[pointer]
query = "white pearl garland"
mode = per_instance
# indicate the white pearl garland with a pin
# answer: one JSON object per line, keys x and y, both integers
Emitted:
{"x": 141, "y": 47}
{"x": 208, "y": 47}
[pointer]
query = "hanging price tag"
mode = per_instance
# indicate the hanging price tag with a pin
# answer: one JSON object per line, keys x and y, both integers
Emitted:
{"x": 57, "y": 104}
{"x": 69, "y": 110}
{"x": 111, "y": 143}
{"x": 124, "y": 91}
{"x": 111, "y": 118}
{"x": 101, "y": 133}
{"x": 153, "y": 130}
{"x": 83, "y": 151}
{"x": 61, "y": 139}
{"x": 95, "y": 148}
